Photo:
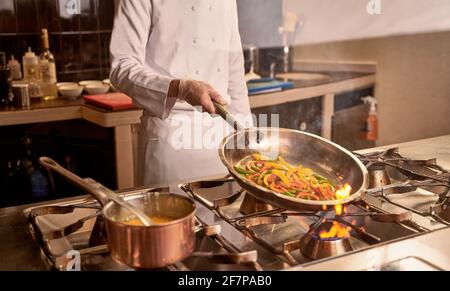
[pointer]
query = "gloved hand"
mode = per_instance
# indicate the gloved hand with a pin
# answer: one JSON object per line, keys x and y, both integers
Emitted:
{"x": 198, "y": 93}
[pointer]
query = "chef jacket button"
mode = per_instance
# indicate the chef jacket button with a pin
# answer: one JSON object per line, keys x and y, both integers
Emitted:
{"x": 197, "y": 72}
{"x": 193, "y": 8}
{"x": 210, "y": 7}
{"x": 219, "y": 70}
{"x": 195, "y": 41}
{"x": 213, "y": 39}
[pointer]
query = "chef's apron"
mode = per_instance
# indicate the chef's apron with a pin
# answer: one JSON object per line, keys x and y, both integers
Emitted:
{"x": 163, "y": 161}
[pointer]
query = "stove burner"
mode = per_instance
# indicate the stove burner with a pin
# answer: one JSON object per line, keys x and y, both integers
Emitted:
{"x": 251, "y": 205}
{"x": 316, "y": 248}
{"x": 378, "y": 176}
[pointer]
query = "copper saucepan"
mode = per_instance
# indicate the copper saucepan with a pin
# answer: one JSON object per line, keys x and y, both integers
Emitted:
{"x": 142, "y": 247}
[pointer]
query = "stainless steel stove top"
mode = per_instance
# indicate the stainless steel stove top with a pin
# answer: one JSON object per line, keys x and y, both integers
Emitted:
{"x": 415, "y": 202}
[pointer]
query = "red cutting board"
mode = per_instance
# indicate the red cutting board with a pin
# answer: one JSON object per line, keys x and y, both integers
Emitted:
{"x": 111, "y": 101}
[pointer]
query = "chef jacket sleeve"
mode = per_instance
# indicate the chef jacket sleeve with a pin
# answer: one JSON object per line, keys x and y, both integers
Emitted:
{"x": 237, "y": 88}
{"x": 132, "y": 26}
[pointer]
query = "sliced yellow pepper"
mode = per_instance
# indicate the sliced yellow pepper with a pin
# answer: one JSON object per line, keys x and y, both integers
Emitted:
{"x": 286, "y": 164}
{"x": 276, "y": 166}
{"x": 260, "y": 157}
{"x": 266, "y": 180}
{"x": 262, "y": 177}
{"x": 306, "y": 172}
{"x": 282, "y": 175}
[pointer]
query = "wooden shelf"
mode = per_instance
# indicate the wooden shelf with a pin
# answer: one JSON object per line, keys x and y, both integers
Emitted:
{"x": 61, "y": 110}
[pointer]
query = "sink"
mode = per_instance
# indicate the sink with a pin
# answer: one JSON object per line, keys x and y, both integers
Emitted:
{"x": 303, "y": 76}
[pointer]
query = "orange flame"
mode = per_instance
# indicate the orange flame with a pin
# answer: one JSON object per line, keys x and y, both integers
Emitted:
{"x": 342, "y": 194}
{"x": 338, "y": 230}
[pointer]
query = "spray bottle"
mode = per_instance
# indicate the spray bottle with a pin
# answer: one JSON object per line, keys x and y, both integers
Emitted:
{"x": 371, "y": 133}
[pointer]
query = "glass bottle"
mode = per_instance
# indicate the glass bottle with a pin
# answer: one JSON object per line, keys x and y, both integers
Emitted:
{"x": 47, "y": 68}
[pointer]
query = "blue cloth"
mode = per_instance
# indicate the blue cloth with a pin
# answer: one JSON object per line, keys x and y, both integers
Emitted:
{"x": 267, "y": 85}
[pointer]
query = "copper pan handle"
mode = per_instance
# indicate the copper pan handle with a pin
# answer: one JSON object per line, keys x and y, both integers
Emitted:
{"x": 50, "y": 164}
{"x": 100, "y": 192}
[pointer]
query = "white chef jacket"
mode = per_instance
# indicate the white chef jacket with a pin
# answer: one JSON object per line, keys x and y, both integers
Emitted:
{"x": 156, "y": 41}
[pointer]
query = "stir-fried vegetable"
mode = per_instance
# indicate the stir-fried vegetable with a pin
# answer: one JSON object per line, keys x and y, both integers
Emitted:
{"x": 284, "y": 178}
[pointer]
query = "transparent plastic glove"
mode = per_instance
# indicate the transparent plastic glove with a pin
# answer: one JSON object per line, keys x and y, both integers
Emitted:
{"x": 198, "y": 93}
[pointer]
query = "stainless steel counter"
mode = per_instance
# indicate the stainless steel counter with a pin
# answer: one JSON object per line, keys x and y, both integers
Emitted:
{"x": 19, "y": 251}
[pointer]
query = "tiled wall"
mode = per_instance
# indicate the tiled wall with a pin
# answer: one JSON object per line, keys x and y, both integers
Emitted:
{"x": 79, "y": 37}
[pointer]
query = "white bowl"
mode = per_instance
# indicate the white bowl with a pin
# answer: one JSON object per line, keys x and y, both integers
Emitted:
{"x": 94, "y": 89}
{"x": 89, "y": 82}
{"x": 71, "y": 91}
{"x": 108, "y": 82}
{"x": 61, "y": 84}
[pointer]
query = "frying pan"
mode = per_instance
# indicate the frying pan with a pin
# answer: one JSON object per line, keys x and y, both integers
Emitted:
{"x": 324, "y": 157}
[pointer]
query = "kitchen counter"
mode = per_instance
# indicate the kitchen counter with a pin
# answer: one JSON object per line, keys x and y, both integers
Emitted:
{"x": 64, "y": 109}
{"x": 342, "y": 77}
{"x": 337, "y": 82}
{"x": 19, "y": 251}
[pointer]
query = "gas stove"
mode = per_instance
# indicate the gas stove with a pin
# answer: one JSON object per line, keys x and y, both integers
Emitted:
{"x": 407, "y": 198}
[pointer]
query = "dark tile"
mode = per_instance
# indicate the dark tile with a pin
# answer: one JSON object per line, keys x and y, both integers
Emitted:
{"x": 33, "y": 41}
{"x": 106, "y": 14}
{"x": 72, "y": 77}
{"x": 27, "y": 16}
{"x": 71, "y": 52}
{"x": 48, "y": 15}
{"x": 105, "y": 39}
{"x": 78, "y": 56}
{"x": 91, "y": 75}
{"x": 7, "y": 16}
{"x": 90, "y": 55}
{"x": 88, "y": 19}
{"x": 80, "y": 76}
{"x": 55, "y": 48}
{"x": 69, "y": 15}
{"x": 8, "y": 44}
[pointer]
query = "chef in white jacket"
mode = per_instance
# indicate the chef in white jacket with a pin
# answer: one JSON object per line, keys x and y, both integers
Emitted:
{"x": 172, "y": 55}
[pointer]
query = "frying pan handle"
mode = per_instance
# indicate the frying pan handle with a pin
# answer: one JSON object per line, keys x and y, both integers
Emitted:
{"x": 87, "y": 185}
{"x": 223, "y": 112}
